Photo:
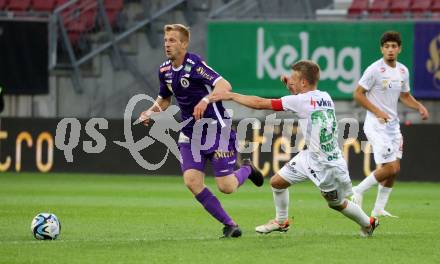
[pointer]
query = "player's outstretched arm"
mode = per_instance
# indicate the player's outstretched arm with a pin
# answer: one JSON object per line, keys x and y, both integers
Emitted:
{"x": 161, "y": 104}
{"x": 251, "y": 101}
{"x": 361, "y": 98}
{"x": 407, "y": 99}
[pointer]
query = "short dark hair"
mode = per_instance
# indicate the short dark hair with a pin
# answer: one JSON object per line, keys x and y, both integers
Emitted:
{"x": 308, "y": 70}
{"x": 392, "y": 36}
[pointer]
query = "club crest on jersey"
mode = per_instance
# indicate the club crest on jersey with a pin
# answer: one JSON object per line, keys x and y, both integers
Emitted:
{"x": 321, "y": 102}
{"x": 386, "y": 84}
{"x": 184, "y": 82}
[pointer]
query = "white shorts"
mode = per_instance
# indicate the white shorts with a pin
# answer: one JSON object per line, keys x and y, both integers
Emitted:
{"x": 385, "y": 139}
{"x": 332, "y": 178}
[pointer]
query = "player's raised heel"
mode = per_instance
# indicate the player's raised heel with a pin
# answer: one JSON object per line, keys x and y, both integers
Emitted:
{"x": 273, "y": 225}
{"x": 256, "y": 177}
{"x": 368, "y": 231}
{"x": 231, "y": 231}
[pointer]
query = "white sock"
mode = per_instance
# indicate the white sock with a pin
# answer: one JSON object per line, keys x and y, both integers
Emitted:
{"x": 383, "y": 193}
{"x": 281, "y": 200}
{"x": 366, "y": 184}
{"x": 355, "y": 213}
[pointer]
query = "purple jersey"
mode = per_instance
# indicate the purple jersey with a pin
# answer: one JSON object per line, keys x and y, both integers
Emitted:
{"x": 189, "y": 83}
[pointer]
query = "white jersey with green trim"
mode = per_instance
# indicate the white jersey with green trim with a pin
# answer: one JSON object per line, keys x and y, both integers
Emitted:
{"x": 317, "y": 122}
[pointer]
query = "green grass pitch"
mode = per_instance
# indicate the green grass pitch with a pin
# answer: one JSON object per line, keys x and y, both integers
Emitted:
{"x": 139, "y": 219}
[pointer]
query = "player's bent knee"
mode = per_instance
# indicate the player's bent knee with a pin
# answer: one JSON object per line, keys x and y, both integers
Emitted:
{"x": 337, "y": 206}
{"x": 278, "y": 182}
{"x": 333, "y": 200}
{"x": 393, "y": 168}
{"x": 193, "y": 181}
{"x": 227, "y": 189}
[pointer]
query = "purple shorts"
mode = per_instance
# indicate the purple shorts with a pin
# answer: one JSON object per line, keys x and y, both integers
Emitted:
{"x": 223, "y": 161}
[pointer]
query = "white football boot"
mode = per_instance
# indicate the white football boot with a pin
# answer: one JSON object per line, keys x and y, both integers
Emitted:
{"x": 273, "y": 225}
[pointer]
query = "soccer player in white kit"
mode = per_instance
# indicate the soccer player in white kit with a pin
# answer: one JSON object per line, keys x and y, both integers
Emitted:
{"x": 322, "y": 162}
{"x": 379, "y": 89}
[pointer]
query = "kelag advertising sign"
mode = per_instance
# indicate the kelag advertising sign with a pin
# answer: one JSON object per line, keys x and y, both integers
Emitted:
{"x": 253, "y": 55}
{"x": 257, "y": 53}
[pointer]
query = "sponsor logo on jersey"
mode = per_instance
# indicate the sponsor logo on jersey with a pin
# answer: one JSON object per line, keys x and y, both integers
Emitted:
{"x": 292, "y": 165}
{"x": 387, "y": 153}
{"x": 223, "y": 154}
{"x": 321, "y": 102}
{"x": 204, "y": 74}
{"x": 385, "y": 84}
{"x": 166, "y": 68}
{"x": 187, "y": 68}
{"x": 184, "y": 82}
{"x": 382, "y": 69}
{"x": 402, "y": 70}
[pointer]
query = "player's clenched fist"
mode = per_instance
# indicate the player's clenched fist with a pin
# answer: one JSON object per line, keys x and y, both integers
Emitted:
{"x": 284, "y": 79}
{"x": 200, "y": 108}
{"x": 424, "y": 114}
{"x": 145, "y": 117}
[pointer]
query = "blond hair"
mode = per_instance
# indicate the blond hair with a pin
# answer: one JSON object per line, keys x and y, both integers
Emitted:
{"x": 182, "y": 29}
{"x": 308, "y": 70}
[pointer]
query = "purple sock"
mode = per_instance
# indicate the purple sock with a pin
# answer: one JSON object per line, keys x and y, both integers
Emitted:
{"x": 242, "y": 174}
{"x": 213, "y": 206}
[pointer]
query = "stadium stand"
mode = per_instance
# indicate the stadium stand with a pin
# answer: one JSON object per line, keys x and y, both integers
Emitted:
{"x": 80, "y": 18}
{"x": 378, "y": 9}
{"x": 420, "y": 8}
{"x": 19, "y": 5}
{"x": 113, "y": 8}
{"x": 399, "y": 8}
{"x": 3, "y": 4}
{"x": 358, "y": 8}
{"x": 43, "y": 5}
{"x": 435, "y": 9}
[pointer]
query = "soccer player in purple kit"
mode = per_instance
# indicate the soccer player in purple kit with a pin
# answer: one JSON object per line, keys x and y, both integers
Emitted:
{"x": 186, "y": 76}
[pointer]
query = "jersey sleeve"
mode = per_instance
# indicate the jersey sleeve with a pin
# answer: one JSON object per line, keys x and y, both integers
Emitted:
{"x": 292, "y": 103}
{"x": 205, "y": 74}
{"x": 405, "y": 84}
{"x": 367, "y": 80}
{"x": 277, "y": 104}
{"x": 164, "y": 88}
